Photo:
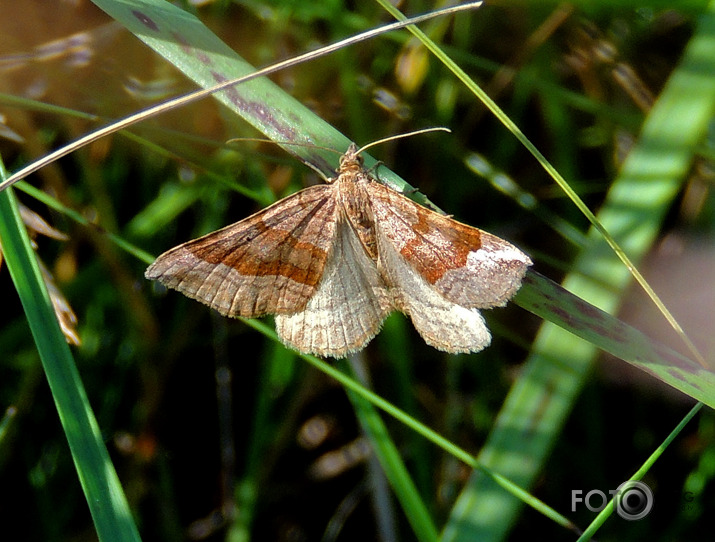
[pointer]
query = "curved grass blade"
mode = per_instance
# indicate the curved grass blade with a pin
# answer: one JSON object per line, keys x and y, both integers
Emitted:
{"x": 105, "y": 497}
{"x": 554, "y": 315}
{"x": 541, "y": 399}
{"x": 608, "y": 510}
{"x": 393, "y": 466}
{"x": 370, "y": 400}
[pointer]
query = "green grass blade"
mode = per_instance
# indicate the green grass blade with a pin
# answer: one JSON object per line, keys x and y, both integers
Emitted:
{"x": 547, "y": 299}
{"x": 276, "y": 372}
{"x": 197, "y": 52}
{"x": 394, "y": 468}
{"x": 104, "y": 494}
{"x": 356, "y": 389}
{"x": 280, "y": 117}
{"x": 608, "y": 510}
{"x": 191, "y": 47}
{"x": 541, "y": 399}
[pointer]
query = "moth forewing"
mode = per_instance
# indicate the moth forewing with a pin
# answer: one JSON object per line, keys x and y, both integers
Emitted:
{"x": 268, "y": 263}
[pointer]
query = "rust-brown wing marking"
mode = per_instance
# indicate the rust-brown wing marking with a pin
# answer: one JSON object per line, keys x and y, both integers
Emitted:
{"x": 270, "y": 262}
{"x": 468, "y": 266}
{"x": 440, "y": 272}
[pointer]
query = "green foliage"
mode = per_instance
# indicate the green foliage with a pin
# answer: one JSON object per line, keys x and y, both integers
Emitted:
{"x": 208, "y": 424}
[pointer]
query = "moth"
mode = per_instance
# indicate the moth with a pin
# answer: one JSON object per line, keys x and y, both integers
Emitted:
{"x": 332, "y": 261}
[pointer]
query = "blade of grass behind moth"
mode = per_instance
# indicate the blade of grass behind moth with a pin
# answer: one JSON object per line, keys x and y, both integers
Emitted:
{"x": 107, "y": 502}
{"x": 558, "y": 178}
{"x": 383, "y": 446}
{"x": 192, "y": 48}
{"x": 157, "y": 24}
{"x": 402, "y": 417}
{"x": 391, "y": 462}
{"x": 542, "y": 397}
{"x": 395, "y": 345}
{"x": 386, "y": 464}
{"x": 277, "y": 372}
{"x": 608, "y": 510}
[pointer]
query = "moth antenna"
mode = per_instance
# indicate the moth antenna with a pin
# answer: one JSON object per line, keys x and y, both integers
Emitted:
{"x": 193, "y": 96}
{"x": 400, "y": 136}
{"x": 298, "y": 144}
{"x": 313, "y": 145}
{"x": 294, "y": 143}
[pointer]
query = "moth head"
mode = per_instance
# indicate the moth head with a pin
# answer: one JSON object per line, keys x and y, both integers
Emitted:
{"x": 351, "y": 161}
